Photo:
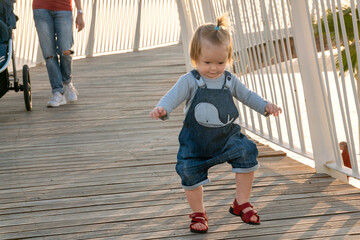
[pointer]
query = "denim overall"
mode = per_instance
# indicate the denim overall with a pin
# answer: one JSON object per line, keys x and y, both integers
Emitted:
{"x": 209, "y": 136}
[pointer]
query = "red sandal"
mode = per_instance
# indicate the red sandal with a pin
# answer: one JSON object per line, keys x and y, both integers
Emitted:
{"x": 199, "y": 217}
{"x": 237, "y": 210}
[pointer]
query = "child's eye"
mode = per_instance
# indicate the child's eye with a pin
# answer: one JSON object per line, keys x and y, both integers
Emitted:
{"x": 221, "y": 63}
{"x": 207, "y": 62}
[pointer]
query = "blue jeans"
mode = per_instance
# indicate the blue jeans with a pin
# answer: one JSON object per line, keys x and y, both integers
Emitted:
{"x": 55, "y": 35}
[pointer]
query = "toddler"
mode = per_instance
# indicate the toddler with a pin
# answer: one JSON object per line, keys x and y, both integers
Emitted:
{"x": 209, "y": 135}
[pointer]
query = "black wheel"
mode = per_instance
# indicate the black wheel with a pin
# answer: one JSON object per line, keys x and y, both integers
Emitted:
{"x": 27, "y": 88}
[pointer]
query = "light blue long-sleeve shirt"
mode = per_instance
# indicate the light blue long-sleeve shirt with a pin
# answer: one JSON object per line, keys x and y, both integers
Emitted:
{"x": 185, "y": 89}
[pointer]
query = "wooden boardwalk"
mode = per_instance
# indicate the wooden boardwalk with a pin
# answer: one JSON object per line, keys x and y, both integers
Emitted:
{"x": 101, "y": 169}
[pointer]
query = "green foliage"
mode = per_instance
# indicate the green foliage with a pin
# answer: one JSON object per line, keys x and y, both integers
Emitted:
{"x": 349, "y": 34}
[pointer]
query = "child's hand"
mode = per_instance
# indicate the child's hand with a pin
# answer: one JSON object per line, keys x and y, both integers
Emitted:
{"x": 273, "y": 109}
{"x": 158, "y": 112}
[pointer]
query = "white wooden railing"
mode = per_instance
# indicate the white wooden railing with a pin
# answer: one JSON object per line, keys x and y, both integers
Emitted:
{"x": 112, "y": 26}
{"x": 275, "y": 53}
{"x": 339, "y": 90}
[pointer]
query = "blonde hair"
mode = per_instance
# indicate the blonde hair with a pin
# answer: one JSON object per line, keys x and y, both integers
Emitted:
{"x": 217, "y": 34}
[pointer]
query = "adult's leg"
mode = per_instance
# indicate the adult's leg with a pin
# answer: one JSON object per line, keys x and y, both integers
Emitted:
{"x": 45, "y": 27}
{"x": 65, "y": 42}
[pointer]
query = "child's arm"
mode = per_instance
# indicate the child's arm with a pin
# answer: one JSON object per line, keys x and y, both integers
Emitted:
{"x": 158, "y": 112}
{"x": 253, "y": 100}
{"x": 180, "y": 92}
{"x": 272, "y": 109}
{"x": 248, "y": 97}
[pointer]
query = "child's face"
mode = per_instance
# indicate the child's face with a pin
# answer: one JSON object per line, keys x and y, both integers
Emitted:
{"x": 212, "y": 60}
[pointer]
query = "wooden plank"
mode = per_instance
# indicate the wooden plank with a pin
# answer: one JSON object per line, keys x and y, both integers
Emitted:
{"x": 224, "y": 225}
{"x": 101, "y": 168}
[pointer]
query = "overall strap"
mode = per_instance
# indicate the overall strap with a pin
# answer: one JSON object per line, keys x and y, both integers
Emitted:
{"x": 199, "y": 81}
{"x": 227, "y": 83}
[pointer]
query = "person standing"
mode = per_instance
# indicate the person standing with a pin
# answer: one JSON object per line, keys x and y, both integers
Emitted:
{"x": 210, "y": 135}
{"x": 54, "y": 25}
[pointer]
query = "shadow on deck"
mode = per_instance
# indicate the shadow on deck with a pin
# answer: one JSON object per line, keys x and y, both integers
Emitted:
{"x": 101, "y": 169}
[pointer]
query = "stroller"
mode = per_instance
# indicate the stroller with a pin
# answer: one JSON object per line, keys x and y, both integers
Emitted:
{"x": 10, "y": 81}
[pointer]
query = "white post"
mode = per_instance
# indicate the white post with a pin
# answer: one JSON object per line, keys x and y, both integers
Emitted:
{"x": 312, "y": 82}
{"x": 186, "y": 31}
{"x": 89, "y": 52}
{"x": 208, "y": 12}
{"x": 137, "y": 31}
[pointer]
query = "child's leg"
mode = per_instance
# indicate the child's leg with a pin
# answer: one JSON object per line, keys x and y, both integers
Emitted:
{"x": 195, "y": 200}
{"x": 244, "y": 183}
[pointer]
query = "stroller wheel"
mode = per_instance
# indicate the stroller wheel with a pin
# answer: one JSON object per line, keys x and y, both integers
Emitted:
{"x": 27, "y": 88}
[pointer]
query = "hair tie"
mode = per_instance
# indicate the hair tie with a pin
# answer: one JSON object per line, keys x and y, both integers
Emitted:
{"x": 217, "y": 28}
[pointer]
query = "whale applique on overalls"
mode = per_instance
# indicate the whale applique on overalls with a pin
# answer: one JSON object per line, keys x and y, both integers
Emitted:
{"x": 207, "y": 115}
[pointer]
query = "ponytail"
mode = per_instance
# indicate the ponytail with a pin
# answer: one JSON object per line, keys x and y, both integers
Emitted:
{"x": 223, "y": 22}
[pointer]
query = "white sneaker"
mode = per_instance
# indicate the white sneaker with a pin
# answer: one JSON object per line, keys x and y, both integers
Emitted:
{"x": 70, "y": 93}
{"x": 56, "y": 100}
